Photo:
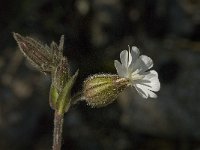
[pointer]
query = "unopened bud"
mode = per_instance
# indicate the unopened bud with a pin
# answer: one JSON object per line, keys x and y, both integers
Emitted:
{"x": 101, "y": 90}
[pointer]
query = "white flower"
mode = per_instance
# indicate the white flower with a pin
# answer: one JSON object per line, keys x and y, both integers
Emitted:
{"x": 136, "y": 69}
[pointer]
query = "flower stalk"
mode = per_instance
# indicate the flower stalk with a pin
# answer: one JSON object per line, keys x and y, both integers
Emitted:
{"x": 57, "y": 133}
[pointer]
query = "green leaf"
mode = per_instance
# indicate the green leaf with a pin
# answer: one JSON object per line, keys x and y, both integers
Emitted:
{"x": 37, "y": 53}
{"x": 61, "y": 74}
{"x": 53, "y": 96}
{"x": 63, "y": 101}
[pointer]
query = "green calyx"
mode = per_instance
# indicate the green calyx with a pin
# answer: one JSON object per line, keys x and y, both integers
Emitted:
{"x": 101, "y": 90}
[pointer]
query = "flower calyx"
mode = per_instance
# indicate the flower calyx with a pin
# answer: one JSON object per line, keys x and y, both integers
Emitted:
{"x": 101, "y": 90}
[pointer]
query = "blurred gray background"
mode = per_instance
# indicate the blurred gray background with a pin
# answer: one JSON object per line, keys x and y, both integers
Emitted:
{"x": 96, "y": 31}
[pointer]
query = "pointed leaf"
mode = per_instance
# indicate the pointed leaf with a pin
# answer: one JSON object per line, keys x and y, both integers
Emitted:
{"x": 61, "y": 44}
{"x": 63, "y": 101}
{"x": 35, "y": 52}
{"x": 61, "y": 74}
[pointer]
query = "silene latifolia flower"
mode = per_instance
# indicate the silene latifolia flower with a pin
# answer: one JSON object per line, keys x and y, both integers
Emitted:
{"x": 102, "y": 89}
{"x": 136, "y": 69}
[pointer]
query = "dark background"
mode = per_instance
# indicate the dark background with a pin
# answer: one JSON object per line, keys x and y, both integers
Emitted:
{"x": 96, "y": 31}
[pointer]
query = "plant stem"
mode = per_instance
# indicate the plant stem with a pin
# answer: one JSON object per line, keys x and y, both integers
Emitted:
{"x": 57, "y": 134}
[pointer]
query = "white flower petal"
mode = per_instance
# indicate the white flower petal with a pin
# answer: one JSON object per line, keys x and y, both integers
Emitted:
{"x": 148, "y": 85}
{"x": 144, "y": 91}
{"x": 151, "y": 80}
{"x": 152, "y": 94}
{"x": 148, "y": 62}
{"x": 129, "y": 57}
{"x": 134, "y": 53}
{"x": 143, "y": 63}
{"x": 121, "y": 70}
{"x": 124, "y": 58}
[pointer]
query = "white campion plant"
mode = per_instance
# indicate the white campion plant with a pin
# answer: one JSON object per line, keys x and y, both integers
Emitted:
{"x": 98, "y": 90}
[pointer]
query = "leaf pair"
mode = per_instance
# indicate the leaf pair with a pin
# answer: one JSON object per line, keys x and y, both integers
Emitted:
{"x": 42, "y": 57}
{"x": 50, "y": 60}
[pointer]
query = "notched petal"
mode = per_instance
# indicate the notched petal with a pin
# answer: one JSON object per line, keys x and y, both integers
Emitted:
{"x": 135, "y": 52}
{"x": 121, "y": 70}
{"x": 151, "y": 80}
{"x": 144, "y": 91}
{"x": 124, "y": 58}
{"x": 148, "y": 62}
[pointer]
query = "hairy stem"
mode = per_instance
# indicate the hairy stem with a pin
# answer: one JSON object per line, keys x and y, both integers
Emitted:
{"x": 57, "y": 134}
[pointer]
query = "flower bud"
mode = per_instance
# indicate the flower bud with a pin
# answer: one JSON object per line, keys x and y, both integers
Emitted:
{"x": 101, "y": 90}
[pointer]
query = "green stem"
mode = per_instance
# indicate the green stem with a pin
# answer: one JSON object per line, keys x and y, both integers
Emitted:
{"x": 57, "y": 134}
